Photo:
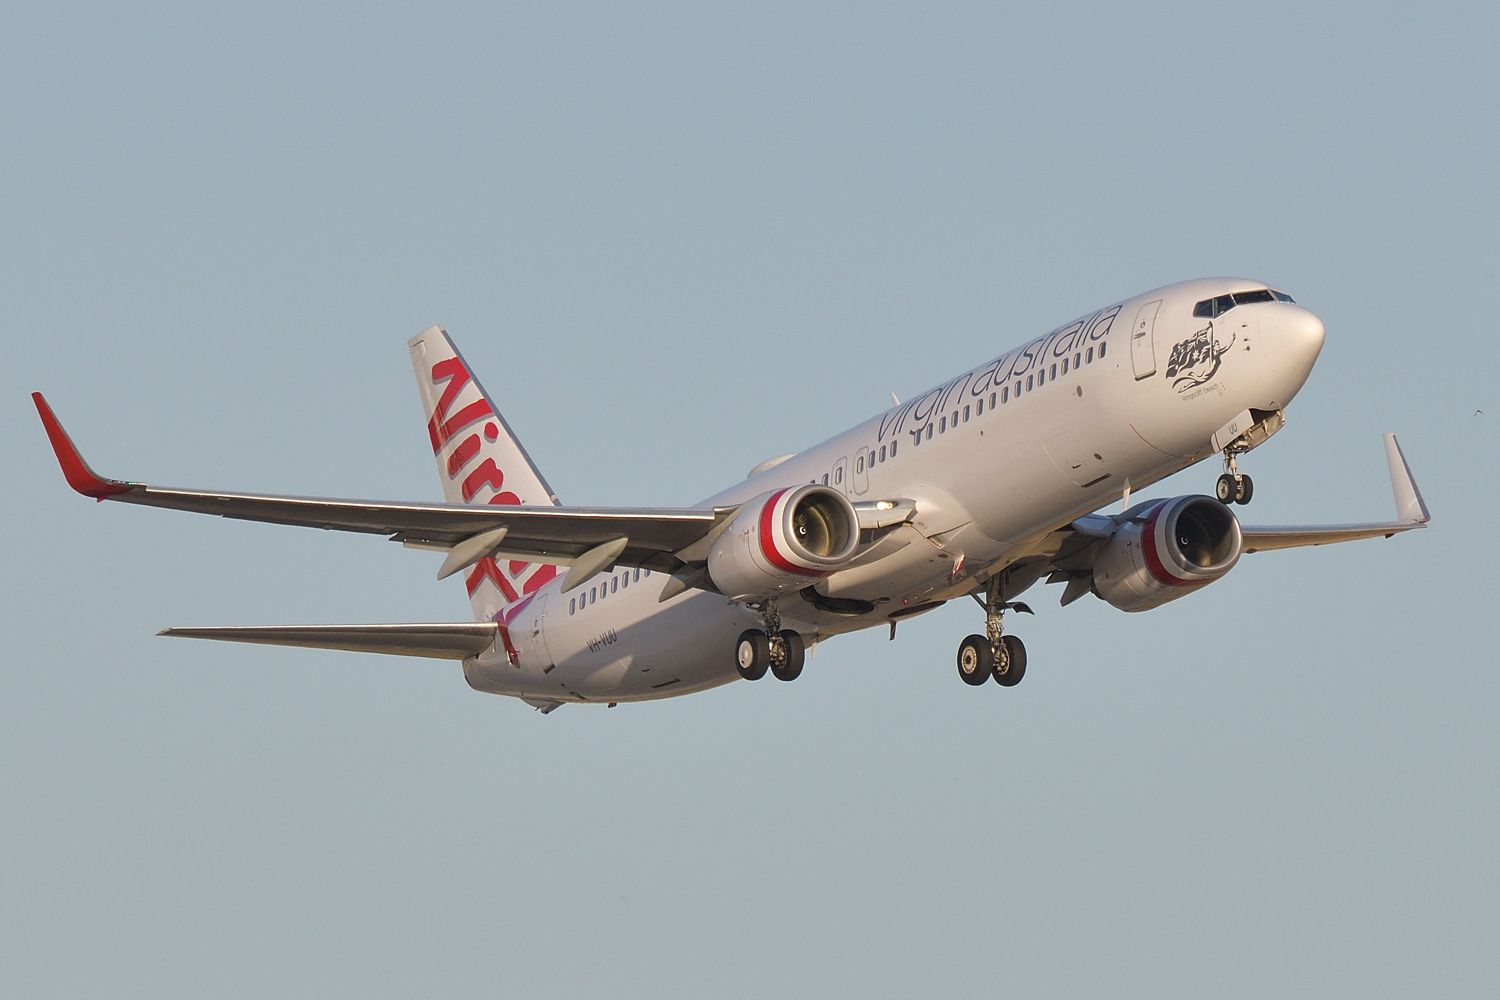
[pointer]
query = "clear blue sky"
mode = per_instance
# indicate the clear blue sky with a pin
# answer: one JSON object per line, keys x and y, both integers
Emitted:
{"x": 674, "y": 241}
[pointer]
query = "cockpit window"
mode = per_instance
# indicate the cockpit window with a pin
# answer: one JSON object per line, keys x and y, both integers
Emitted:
{"x": 1283, "y": 297}
{"x": 1210, "y": 308}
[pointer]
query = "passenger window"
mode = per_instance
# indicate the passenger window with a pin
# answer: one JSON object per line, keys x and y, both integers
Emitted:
{"x": 1102, "y": 346}
{"x": 992, "y": 400}
{"x": 1065, "y": 366}
{"x": 1030, "y": 379}
{"x": 943, "y": 425}
{"x": 929, "y": 432}
{"x": 954, "y": 421}
{"x": 966, "y": 414}
{"x": 1005, "y": 395}
{"x": 638, "y": 574}
{"x": 859, "y": 464}
{"x": 1041, "y": 378}
{"x": 838, "y": 475}
{"x": 614, "y": 585}
{"x": 625, "y": 580}
{"x": 1053, "y": 373}
{"x": 825, "y": 479}
{"x": 1077, "y": 360}
{"x": 1089, "y": 357}
{"x": 572, "y": 605}
{"x": 882, "y": 453}
{"x": 979, "y": 407}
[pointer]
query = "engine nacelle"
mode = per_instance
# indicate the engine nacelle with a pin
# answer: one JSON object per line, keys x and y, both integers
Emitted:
{"x": 1167, "y": 550}
{"x": 784, "y": 541}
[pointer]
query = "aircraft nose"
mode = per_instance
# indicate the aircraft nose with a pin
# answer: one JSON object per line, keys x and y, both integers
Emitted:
{"x": 1305, "y": 331}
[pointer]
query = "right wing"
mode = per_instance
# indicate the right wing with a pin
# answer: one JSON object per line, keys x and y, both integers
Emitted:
{"x": 1411, "y": 512}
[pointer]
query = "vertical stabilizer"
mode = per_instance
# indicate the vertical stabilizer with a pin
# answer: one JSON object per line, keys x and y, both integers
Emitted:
{"x": 479, "y": 461}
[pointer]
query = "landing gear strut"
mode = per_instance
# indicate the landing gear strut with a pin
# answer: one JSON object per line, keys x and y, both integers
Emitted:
{"x": 1233, "y": 486}
{"x": 993, "y": 654}
{"x": 780, "y": 651}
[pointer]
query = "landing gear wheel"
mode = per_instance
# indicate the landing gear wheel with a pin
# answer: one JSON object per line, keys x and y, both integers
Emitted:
{"x": 1014, "y": 668}
{"x": 1226, "y": 490}
{"x": 790, "y": 666}
{"x": 1244, "y": 489}
{"x": 752, "y": 654}
{"x": 975, "y": 661}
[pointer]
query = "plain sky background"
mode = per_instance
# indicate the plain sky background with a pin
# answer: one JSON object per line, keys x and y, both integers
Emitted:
{"x": 675, "y": 240}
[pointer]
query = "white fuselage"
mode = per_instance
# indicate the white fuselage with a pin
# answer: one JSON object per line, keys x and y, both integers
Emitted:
{"x": 995, "y": 459}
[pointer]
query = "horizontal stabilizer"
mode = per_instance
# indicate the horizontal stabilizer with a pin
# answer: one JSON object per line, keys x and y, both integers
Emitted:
{"x": 443, "y": 641}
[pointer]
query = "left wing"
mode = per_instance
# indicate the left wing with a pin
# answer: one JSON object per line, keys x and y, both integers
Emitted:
{"x": 645, "y": 537}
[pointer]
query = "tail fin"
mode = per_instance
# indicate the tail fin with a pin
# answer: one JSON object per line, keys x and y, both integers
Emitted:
{"x": 479, "y": 461}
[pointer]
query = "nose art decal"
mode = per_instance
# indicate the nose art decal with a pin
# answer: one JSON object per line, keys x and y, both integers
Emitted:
{"x": 1197, "y": 359}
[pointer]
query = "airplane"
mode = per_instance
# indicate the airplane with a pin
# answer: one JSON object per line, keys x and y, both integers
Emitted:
{"x": 979, "y": 487}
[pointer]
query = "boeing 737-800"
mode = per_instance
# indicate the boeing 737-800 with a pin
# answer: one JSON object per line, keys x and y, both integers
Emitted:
{"x": 979, "y": 487}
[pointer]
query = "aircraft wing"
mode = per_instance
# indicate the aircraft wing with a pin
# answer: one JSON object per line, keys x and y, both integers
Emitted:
{"x": 645, "y": 537}
{"x": 1068, "y": 555}
{"x": 1411, "y": 512}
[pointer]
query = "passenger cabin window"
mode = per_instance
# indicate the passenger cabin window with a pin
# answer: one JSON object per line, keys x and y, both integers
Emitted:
{"x": 882, "y": 453}
{"x": 893, "y": 449}
{"x": 1102, "y": 346}
{"x": 966, "y": 414}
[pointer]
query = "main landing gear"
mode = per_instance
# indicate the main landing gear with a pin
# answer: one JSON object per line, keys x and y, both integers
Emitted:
{"x": 1233, "y": 486}
{"x": 780, "y": 651}
{"x": 993, "y": 654}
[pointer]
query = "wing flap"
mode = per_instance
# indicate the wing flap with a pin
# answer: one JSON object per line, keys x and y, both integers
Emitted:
{"x": 442, "y": 641}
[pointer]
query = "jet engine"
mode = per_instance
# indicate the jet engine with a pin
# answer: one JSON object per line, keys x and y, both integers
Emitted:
{"x": 784, "y": 541}
{"x": 1166, "y": 549}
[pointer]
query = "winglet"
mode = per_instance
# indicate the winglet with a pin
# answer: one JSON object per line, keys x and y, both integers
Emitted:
{"x": 75, "y": 469}
{"x": 1409, "y": 504}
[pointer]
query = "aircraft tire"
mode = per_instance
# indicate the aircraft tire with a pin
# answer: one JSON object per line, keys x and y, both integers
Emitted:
{"x": 1244, "y": 489}
{"x": 752, "y": 654}
{"x": 1015, "y": 668}
{"x": 975, "y": 662}
{"x": 1225, "y": 489}
{"x": 796, "y": 653}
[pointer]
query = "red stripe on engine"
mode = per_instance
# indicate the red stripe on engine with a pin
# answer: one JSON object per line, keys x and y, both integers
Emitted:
{"x": 768, "y": 541}
{"x": 1153, "y": 558}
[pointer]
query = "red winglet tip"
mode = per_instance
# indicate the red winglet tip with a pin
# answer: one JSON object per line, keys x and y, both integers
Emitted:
{"x": 75, "y": 470}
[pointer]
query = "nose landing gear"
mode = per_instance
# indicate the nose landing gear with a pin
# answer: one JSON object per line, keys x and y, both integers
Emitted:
{"x": 780, "y": 651}
{"x": 1233, "y": 486}
{"x": 994, "y": 654}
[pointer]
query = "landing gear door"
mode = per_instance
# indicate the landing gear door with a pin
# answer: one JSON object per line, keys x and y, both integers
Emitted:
{"x": 1143, "y": 340}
